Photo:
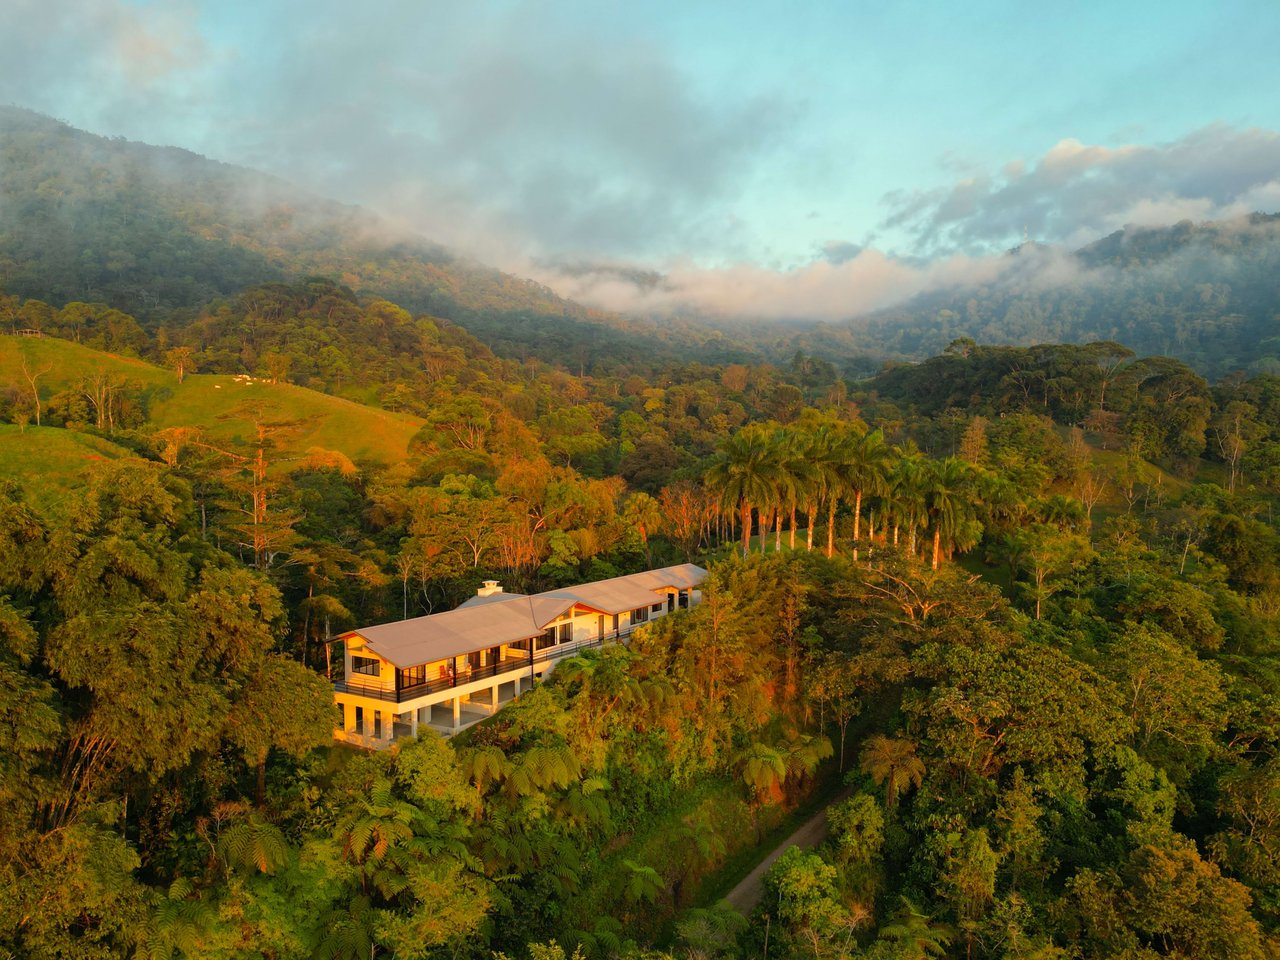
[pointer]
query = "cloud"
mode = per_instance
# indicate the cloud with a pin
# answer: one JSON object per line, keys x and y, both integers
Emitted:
{"x": 1078, "y": 192}
{"x": 822, "y": 290}
{"x": 103, "y": 61}
{"x": 504, "y": 128}
{"x": 511, "y": 135}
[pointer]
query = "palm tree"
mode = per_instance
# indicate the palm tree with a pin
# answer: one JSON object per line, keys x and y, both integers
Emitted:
{"x": 644, "y": 514}
{"x": 907, "y": 496}
{"x": 917, "y": 935}
{"x": 764, "y": 769}
{"x": 253, "y": 844}
{"x": 819, "y": 447}
{"x": 867, "y": 469}
{"x": 948, "y": 499}
{"x": 798, "y": 473}
{"x": 743, "y": 475}
{"x": 1065, "y": 513}
{"x": 893, "y": 763}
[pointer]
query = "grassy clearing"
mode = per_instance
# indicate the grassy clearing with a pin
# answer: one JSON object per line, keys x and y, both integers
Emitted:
{"x": 65, "y": 364}
{"x": 224, "y": 407}
{"x": 227, "y": 407}
{"x": 50, "y": 464}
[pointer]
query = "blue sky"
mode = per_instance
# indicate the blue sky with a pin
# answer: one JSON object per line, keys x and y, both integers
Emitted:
{"x": 828, "y": 155}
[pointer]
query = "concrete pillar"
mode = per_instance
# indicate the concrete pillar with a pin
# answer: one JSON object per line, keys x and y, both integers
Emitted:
{"x": 413, "y": 723}
{"x": 457, "y": 713}
{"x": 493, "y": 699}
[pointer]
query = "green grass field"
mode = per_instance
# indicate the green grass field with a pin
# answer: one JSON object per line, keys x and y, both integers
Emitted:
{"x": 49, "y": 463}
{"x": 224, "y": 407}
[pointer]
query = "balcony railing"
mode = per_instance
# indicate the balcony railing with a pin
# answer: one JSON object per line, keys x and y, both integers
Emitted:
{"x": 512, "y": 666}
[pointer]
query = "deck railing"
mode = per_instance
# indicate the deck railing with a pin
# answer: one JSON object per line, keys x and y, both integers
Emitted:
{"x": 513, "y": 666}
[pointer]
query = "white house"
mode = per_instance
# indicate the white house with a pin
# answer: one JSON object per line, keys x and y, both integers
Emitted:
{"x": 449, "y": 670}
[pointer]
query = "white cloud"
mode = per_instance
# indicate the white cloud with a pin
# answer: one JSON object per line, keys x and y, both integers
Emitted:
{"x": 1077, "y": 192}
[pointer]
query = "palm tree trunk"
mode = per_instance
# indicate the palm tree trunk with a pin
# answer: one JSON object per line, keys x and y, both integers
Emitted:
{"x": 857, "y": 520}
{"x": 937, "y": 544}
{"x": 809, "y": 512}
{"x": 793, "y": 524}
{"x": 831, "y": 527}
{"x": 746, "y": 528}
{"x": 777, "y": 530}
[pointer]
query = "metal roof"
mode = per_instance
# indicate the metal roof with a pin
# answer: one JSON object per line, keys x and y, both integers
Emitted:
{"x": 506, "y": 618}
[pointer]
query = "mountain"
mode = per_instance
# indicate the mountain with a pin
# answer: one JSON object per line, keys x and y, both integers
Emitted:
{"x": 1206, "y": 294}
{"x": 160, "y": 232}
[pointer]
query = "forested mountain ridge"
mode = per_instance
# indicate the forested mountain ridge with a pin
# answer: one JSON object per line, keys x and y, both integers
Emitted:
{"x": 1203, "y": 293}
{"x": 160, "y": 232}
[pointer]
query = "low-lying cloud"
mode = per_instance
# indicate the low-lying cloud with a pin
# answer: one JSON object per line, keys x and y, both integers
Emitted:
{"x": 1078, "y": 192}
{"x": 825, "y": 289}
{"x": 958, "y": 235}
{"x": 512, "y": 132}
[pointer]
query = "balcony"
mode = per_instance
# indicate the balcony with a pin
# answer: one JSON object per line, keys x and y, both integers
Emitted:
{"x": 509, "y": 667}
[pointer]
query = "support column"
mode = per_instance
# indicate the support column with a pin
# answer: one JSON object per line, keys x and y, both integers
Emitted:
{"x": 457, "y": 713}
{"x": 493, "y": 701}
{"x": 413, "y": 724}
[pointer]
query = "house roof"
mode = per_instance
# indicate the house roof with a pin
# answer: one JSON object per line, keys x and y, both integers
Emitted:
{"x": 478, "y": 600}
{"x": 506, "y": 617}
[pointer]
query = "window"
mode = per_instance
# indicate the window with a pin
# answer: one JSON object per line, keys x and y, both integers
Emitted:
{"x": 411, "y": 677}
{"x": 565, "y": 632}
{"x": 640, "y": 616}
{"x": 656, "y": 608}
{"x": 360, "y": 720}
{"x": 365, "y": 665}
{"x": 548, "y": 639}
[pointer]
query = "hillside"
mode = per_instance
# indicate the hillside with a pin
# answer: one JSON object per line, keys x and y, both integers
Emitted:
{"x": 159, "y": 232}
{"x": 1205, "y": 294}
{"x": 224, "y": 408}
{"x": 49, "y": 464}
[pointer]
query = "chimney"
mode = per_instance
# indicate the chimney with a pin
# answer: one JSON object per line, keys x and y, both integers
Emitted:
{"x": 489, "y": 588}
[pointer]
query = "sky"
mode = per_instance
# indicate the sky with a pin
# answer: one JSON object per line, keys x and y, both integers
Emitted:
{"x": 786, "y": 159}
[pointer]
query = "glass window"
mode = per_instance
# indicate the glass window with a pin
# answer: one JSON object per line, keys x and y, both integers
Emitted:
{"x": 548, "y": 639}
{"x": 657, "y": 607}
{"x": 640, "y": 616}
{"x": 566, "y": 632}
{"x": 412, "y": 676}
{"x": 365, "y": 665}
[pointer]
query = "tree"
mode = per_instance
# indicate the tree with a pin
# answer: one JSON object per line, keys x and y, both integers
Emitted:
{"x": 915, "y": 935}
{"x": 744, "y": 475}
{"x": 31, "y": 374}
{"x": 808, "y": 905}
{"x": 948, "y": 493}
{"x": 865, "y": 463}
{"x": 285, "y": 706}
{"x": 1046, "y": 554}
{"x": 892, "y": 762}
{"x": 1170, "y": 693}
{"x": 644, "y": 514}
{"x": 182, "y": 359}
{"x": 1234, "y": 430}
